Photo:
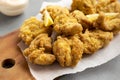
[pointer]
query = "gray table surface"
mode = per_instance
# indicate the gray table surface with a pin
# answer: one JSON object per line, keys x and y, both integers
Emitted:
{"x": 108, "y": 71}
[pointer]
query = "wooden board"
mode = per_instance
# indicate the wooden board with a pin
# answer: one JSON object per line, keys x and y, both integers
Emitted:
{"x": 13, "y": 65}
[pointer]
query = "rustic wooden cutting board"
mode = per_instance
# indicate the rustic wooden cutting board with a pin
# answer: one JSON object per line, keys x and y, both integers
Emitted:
{"x": 13, "y": 65}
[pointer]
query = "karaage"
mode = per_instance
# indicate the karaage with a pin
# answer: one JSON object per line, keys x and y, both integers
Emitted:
{"x": 65, "y": 35}
{"x": 86, "y": 6}
{"x": 31, "y": 28}
{"x": 40, "y": 51}
{"x": 67, "y": 25}
{"x": 82, "y": 19}
{"x": 94, "y": 40}
{"x": 106, "y": 24}
{"x": 108, "y": 6}
{"x": 68, "y": 51}
{"x": 55, "y": 10}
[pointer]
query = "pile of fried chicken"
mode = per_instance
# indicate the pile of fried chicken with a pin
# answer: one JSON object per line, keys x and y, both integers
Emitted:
{"x": 84, "y": 29}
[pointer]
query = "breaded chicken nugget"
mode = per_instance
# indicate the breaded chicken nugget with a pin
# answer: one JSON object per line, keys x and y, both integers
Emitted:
{"x": 68, "y": 51}
{"x": 108, "y": 6}
{"x": 82, "y": 19}
{"x": 111, "y": 25}
{"x": 67, "y": 25}
{"x": 40, "y": 50}
{"x": 94, "y": 40}
{"x": 31, "y": 28}
{"x": 55, "y": 10}
{"x": 87, "y": 6}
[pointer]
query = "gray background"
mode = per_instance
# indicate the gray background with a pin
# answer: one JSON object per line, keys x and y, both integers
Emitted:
{"x": 108, "y": 71}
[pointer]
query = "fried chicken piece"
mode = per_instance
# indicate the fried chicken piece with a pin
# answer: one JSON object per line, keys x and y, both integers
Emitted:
{"x": 108, "y": 6}
{"x": 94, "y": 40}
{"x": 55, "y": 10}
{"x": 67, "y": 25}
{"x": 103, "y": 23}
{"x": 113, "y": 7}
{"x": 87, "y": 6}
{"x": 82, "y": 19}
{"x": 40, "y": 51}
{"x": 32, "y": 28}
{"x": 68, "y": 51}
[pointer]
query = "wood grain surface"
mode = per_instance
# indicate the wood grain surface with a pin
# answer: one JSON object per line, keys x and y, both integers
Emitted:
{"x": 9, "y": 50}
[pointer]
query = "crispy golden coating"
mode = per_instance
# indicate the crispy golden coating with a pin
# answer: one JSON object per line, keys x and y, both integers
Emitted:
{"x": 67, "y": 25}
{"x": 82, "y": 19}
{"x": 55, "y": 10}
{"x": 108, "y": 6}
{"x": 94, "y": 40}
{"x": 79, "y": 15}
{"x": 96, "y": 6}
{"x": 31, "y": 28}
{"x": 72, "y": 32}
{"x": 112, "y": 25}
{"x": 39, "y": 51}
{"x": 87, "y": 6}
{"x": 68, "y": 51}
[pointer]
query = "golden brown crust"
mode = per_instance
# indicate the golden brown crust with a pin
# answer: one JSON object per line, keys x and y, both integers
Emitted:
{"x": 87, "y": 6}
{"x": 68, "y": 51}
{"x": 96, "y": 6}
{"x": 31, "y": 28}
{"x": 94, "y": 40}
{"x": 76, "y": 32}
{"x": 55, "y": 10}
{"x": 39, "y": 51}
{"x": 108, "y": 6}
{"x": 67, "y": 25}
{"x": 111, "y": 25}
{"x": 82, "y": 19}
